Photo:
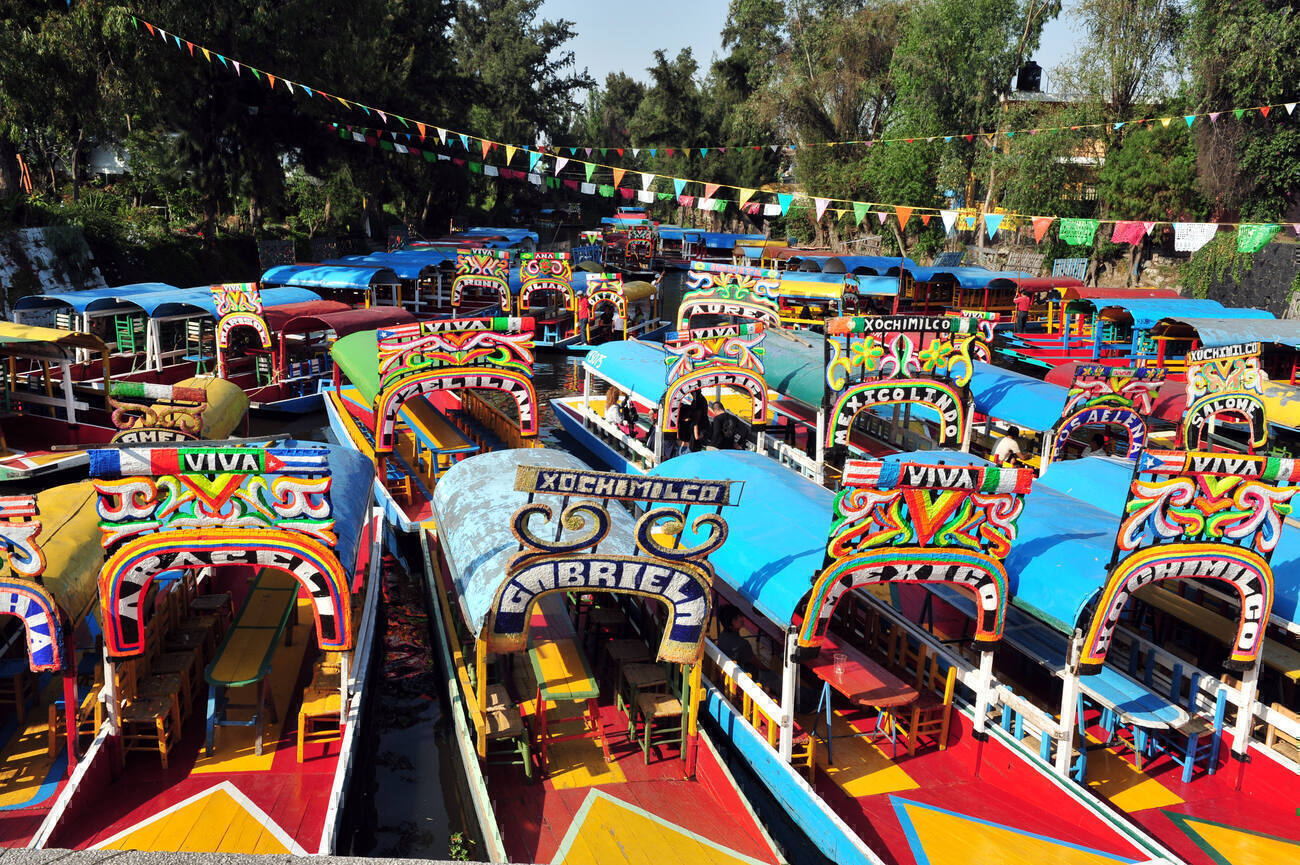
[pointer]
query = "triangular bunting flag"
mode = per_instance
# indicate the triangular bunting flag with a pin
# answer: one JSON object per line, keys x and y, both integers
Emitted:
{"x": 206, "y": 55}
{"x": 881, "y": 216}
{"x": 1164, "y": 121}
{"x": 510, "y": 153}
{"x": 442, "y": 136}
{"x": 1041, "y": 224}
{"x": 636, "y": 152}
{"x": 646, "y": 179}
{"x": 903, "y": 214}
{"x": 1239, "y": 112}
{"x": 745, "y": 195}
{"x": 1264, "y": 109}
{"x": 679, "y": 185}
{"x": 464, "y": 140}
{"x": 821, "y": 204}
{"x": 1190, "y": 118}
{"x": 860, "y": 209}
{"x": 533, "y": 158}
{"x": 704, "y": 151}
{"x": 925, "y": 218}
{"x": 590, "y": 168}
{"x": 949, "y": 218}
{"x": 991, "y": 223}
{"x": 235, "y": 63}
{"x": 784, "y": 199}
{"x": 487, "y": 146}
{"x": 1290, "y": 106}
{"x": 710, "y": 189}
{"x": 1214, "y": 116}
{"x": 420, "y": 126}
{"x": 560, "y": 162}
{"x": 618, "y": 176}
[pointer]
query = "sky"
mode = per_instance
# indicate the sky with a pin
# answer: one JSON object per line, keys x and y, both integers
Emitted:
{"x": 622, "y": 35}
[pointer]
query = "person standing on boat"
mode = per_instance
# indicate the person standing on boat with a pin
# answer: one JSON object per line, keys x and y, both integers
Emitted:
{"x": 734, "y": 645}
{"x": 1007, "y": 451}
{"x": 613, "y": 406}
{"x": 1024, "y": 300}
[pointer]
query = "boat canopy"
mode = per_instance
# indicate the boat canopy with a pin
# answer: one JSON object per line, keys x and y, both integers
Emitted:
{"x": 1017, "y": 399}
{"x": 335, "y": 276}
{"x": 276, "y": 316}
{"x": 794, "y": 365}
{"x": 1082, "y": 292}
{"x": 516, "y": 236}
{"x": 1100, "y": 485}
{"x": 199, "y": 301}
{"x": 679, "y": 234}
{"x": 725, "y": 240}
{"x": 407, "y": 264}
{"x": 357, "y": 355}
{"x": 1041, "y": 284}
{"x": 69, "y": 540}
{"x": 473, "y": 504}
{"x": 1145, "y": 312}
{"x": 864, "y": 265}
{"x": 632, "y": 365}
{"x": 347, "y": 321}
{"x": 15, "y": 335}
{"x": 769, "y": 562}
{"x": 970, "y": 277}
{"x": 831, "y": 285}
{"x": 91, "y": 299}
{"x": 1215, "y": 332}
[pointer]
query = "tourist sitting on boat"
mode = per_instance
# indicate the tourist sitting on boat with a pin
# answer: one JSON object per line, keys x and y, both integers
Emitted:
{"x": 1098, "y": 446}
{"x": 1007, "y": 451}
{"x": 694, "y": 427}
{"x": 613, "y": 406}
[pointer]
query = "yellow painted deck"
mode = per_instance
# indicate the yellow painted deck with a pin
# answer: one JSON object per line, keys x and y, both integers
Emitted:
{"x": 252, "y": 640}
{"x": 220, "y": 819}
{"x": 861, "y": 768}
{"x": 607, "y": 830}
{"x": 1238, "y": 847}
{"x": 25, "y": 762}
{"x": 1118, "y": 781}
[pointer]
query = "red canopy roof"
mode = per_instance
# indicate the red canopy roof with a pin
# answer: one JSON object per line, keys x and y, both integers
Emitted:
{"x": 1042, "y": 284}
{"x": 276, "y": 316}
{"x": 1171, "y": 399}
{"x": 1080, "y": 292}
{"x": 346, "y": 321}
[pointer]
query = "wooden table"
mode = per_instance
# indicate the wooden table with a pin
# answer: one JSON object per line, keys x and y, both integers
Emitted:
{"x": 562, "y": 671}
{"x": 246, "y": 653}
{"x": 1277, "y": 656}
{"x": 863, "y": 681}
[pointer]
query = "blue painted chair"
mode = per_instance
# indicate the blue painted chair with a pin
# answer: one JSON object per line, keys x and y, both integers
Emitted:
{"x": 1199, "y": 738}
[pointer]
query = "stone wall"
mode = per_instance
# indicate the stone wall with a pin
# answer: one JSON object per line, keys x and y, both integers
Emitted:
{"x": 39, "y": 260}
{"x": 1267, "y": 285}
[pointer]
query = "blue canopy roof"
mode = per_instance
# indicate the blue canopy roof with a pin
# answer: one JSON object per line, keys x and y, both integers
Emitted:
{"x": 330, "y": 276}
{"x": 1214, "y": 332}
{"x": 187, "y": 301}
{"x": 473, "y": 504}
{"x": 1015, "y": 398}
{"x": 726, "y": 240}
{"x": 1147, "y": 311}
{"x": 881, "y": 265}
{"x": 92, "y": 299}
{"x": 1103, "y": 481}
{"x": 770, "y": 562}
{"x": 794, "y": 365}
{"x": 676, "y": 232}
{"x": 515, "y": 235}
{"x": 406, "y": 263}
{"x": 967, "y": 277}
{"x": 632, "y": 365}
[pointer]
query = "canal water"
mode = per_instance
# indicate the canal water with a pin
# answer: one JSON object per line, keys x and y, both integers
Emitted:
{"x": 408, "y": 796}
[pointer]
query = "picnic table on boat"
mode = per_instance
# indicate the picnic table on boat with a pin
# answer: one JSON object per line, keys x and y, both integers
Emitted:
{"x": 433, "y": 430}
{"x": 1275, "y": 655}
{"x": 562, "y": 671}
{"x": 245, "y": 655}
{"x": 863, "y": 681}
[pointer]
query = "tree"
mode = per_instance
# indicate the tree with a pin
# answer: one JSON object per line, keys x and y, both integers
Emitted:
{"x": 1243, "y": 53}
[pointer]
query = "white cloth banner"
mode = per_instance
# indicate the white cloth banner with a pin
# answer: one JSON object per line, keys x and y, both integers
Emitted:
{"x": 1191, "y": 236}
{"x": 401, "y": 148}
{"x": 645, "y": 196}
{"x": 588, "y": 189}
{"x": 771, "y": 210}
{"x": 357, "y": 136}
{"x": 949, "y": 218}
{"x": 535, "y": 179}
{"x": 490, "y": 171}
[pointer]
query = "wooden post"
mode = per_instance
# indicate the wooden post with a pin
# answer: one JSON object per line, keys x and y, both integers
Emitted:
{"x": 1245, "y": 717}
{"x": 71, "y": 705}
{"x": 480, "y": 696}
{"x": 789, "y": 690}
{"x": 693, "y": 689}
{"x": 1069, "y": 698}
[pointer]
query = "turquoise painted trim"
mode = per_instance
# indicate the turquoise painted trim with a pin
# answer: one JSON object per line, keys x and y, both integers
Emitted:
{"x": 831, "y": 835}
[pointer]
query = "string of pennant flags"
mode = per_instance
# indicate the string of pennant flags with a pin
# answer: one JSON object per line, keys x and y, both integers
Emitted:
{"x": 1188, "y": 236}
{"x": 419, "y": 137}
{"x": 1188, "y": 120}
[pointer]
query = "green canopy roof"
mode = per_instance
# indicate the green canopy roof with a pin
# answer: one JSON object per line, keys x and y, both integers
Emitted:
{"x": 357, "y": 354}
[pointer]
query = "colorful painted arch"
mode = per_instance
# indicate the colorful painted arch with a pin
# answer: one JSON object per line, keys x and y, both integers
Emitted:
{"x": 977, "y": 571}
{"x": 940, "y": 396}
{"x": 1246, "y": 570}
{"x": 41, "y": 620}
{"x": 391, "y": 399}
{"x": 127, "y": 574}
{"x": 722, "y": 374}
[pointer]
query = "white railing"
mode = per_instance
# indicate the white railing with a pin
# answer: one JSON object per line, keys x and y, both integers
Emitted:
{"x": 753, "y": 694}
{"x": 790, "y": 457}
{"x": 633, "y": 445}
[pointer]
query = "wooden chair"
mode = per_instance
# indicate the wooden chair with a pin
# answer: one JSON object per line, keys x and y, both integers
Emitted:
{"x": 508, "y": 737}
{"x": 662, "y": 710}
{"x": 804, "y": 753}
{"x": 1197, "y": 739}
{"x": 90, "y": 711}
{"x": 1281, "y": 741}
{"x": 148, "y": 723}
{"x": 320, "y": 717}
{"x": 931, "y": 714}
{"x": 17, "y": 685}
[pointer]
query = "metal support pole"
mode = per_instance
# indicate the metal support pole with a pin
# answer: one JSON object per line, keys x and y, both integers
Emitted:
{"x": 1069, "y": 700}
{"x": 789, "y": 691}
